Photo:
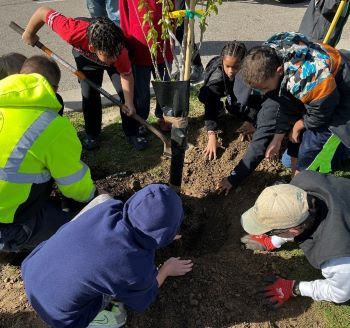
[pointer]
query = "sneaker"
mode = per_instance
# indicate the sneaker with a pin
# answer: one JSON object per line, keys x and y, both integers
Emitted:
{"x": 143, "y": 131}
{"x": 196, "y": 73}
{"x": 115, "y": 317}
{"x": 138, "y": 142}
{"x": 164, "y": 126}
{"x": 90, "y": 143}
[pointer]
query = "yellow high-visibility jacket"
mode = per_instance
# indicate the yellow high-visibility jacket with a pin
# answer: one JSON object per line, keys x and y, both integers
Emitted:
{"x": 36, "y": 146}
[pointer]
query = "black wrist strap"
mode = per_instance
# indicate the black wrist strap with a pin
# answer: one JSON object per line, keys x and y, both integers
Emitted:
{"x": 296, "y": 290}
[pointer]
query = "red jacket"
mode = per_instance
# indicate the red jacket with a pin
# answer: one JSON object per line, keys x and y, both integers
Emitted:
{"x": 131, "y": 23}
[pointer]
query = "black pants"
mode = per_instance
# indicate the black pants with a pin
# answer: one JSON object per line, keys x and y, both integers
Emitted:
{"x": 36, "y": 228}
{"x": 142, "y": 75}
{"x": 91, "y": 102}
{"x": 180, "y": 5}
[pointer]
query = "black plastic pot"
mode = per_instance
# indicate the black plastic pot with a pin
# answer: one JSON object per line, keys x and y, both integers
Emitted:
{"x": 174, "y": 100}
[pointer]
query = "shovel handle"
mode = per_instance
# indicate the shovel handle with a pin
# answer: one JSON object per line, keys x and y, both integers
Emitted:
{"x": 16, "y": 28}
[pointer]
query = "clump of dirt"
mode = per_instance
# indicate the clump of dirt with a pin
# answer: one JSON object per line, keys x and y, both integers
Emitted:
{"x": 221, "y": 291}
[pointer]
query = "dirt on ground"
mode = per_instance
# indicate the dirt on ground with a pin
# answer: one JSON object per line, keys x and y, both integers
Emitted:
{"x": 221, "y": 291}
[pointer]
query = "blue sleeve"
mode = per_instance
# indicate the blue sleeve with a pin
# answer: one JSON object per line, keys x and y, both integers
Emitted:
{"x": 139, "y": 296}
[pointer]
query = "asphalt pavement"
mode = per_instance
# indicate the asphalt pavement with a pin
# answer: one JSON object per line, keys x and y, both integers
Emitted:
{"x": 249, "y": 21}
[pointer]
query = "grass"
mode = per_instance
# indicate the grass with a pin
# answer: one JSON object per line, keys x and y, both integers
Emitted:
{"x": 336, "y": 316}
{"x": 116, "y": 155}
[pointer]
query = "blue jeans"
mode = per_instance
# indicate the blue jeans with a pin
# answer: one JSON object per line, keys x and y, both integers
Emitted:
{"x": 104, "y": 8}
{"x": 311, "y": 144}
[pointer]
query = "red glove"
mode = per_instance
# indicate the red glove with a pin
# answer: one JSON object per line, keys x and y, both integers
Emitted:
{"x": 279, "y": 292}
{"x": 258, "y": 242}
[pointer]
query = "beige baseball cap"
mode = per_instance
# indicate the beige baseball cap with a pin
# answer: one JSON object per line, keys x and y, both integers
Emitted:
{"x": 277, "y": 207}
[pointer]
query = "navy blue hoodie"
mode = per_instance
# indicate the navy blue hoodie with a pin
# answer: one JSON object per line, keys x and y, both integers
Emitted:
{"x": 109, "y": 250}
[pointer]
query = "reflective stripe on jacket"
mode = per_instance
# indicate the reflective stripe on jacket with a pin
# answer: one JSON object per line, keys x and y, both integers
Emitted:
{"x": 36, "y": 145}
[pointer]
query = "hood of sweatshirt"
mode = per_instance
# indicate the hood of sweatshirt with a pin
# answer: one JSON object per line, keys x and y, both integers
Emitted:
{"x": 28, "y": 90}
{"x": 153, "y": 216}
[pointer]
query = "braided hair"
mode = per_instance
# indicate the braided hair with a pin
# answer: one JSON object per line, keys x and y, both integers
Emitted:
{"x": 234, "y": 49}
{"x": 106, "y": 36}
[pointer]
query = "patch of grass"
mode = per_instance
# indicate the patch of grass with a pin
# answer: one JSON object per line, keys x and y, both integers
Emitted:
{"x": 115, "y": 154}
{"x": 344, "y": 170}
{"x": 196, "y": 107}
{"x": 336, "y": 316}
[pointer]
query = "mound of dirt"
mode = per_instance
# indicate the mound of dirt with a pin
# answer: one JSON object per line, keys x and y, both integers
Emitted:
{"x": 221, "y": 291}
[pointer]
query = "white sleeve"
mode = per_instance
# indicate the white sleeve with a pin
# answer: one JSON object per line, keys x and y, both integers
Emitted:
{"x": 278, "y": 241}
{"x": 336, "y": 285}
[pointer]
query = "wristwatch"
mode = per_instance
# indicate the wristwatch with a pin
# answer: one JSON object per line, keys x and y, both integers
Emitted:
{"x": 296, "y": 290}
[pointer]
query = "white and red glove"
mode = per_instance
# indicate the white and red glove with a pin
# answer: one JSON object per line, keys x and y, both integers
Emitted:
{"x": 258, "y": 242}
{"x": 279, "y": 291}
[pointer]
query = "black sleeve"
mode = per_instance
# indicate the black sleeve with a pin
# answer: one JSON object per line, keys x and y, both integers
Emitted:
{"x": 266, "y": 124}
{"x": 60, "y": 100}
{"x": 328, "y": 8}
{"x": 319, "y": 112}
{"x": 247, "y": 104}
{"x": 211, "y": 98}
{"x": 247, "y": 113}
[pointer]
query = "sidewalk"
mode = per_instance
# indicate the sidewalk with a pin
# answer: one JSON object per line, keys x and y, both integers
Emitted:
{"x": 72, "y": 98}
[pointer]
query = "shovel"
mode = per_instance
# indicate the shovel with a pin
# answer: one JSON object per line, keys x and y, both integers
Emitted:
{"x": 82, "y": 77}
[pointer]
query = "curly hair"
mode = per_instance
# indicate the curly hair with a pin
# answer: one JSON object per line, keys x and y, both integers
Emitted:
{"x": 259, "y": 65}
{"x": 106, "y": 36}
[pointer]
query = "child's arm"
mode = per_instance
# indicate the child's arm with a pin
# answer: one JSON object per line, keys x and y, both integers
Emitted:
{"x": 246, "y": 131}
{"x": 265, "y": 130}
{"x": 295, "y": 133}
{"x": 173, "y": 267}
{"x": 210, "y": 151}
{"x": 210, "y": 96}
{"x": 127, "y": 82}
{"x": 336, "y": 285}
{"x": 35, "y": 23}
